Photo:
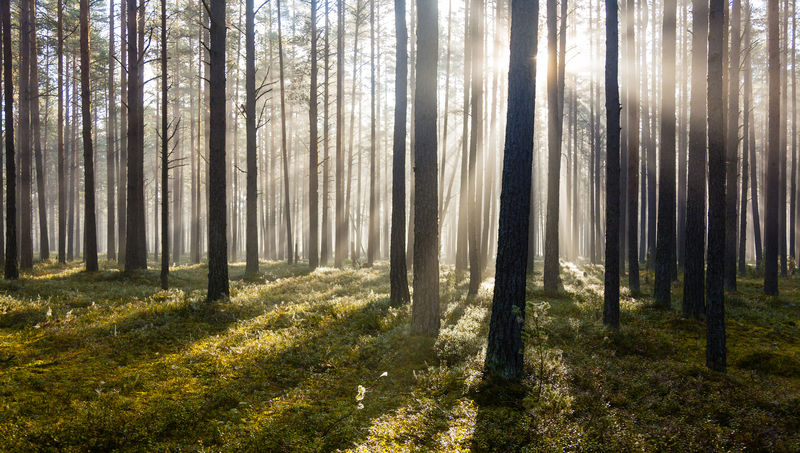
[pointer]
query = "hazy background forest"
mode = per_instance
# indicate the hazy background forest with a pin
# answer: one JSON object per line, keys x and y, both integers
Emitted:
{"x": 313, "y": 225}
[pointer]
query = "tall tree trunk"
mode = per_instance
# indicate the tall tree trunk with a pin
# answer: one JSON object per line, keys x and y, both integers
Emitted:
{"x": 250, "y": 126}
{"x": 633, "y": 151}
{"x": 217, "y": 240}
{"x": 425, "y": 318}
{"x": 732, "y": 150}
{"x": 287, "y": 203}
{"x": 665, "y": 240}
{"x": 694, "y": 265}
{"x": 715, "y": 312}
{"x": 476, "y": 48}
{"x": 746, "y": 115}
{"x": 62, "y": 195}
{"x": 24, "y": 140}
{"x": 111, "y": 144}
{"x": 340, "y": 246}
{"x": 41, "y": 192}
{"x": 136, "y": 232}
{"x": 555, "y": 109}
{"x": 611, "y": 279}
{"x": 793, "y": 180}
{"x": 325, "y": 245}
{"x": 398, "y": 274}
{"x": 462, "y": 227}
{"x": 11, "y": 272}
{"x": 682, "y": 146}
{"x": 783, "y": 144}
{"x": 90, "y": 225}
{"x": 122, "y": 191}
{"x": 374, "y": 214}
{"x": 164, "y": 153}
{"x": 504, "y": 355}
{"x": 772, "y": 185}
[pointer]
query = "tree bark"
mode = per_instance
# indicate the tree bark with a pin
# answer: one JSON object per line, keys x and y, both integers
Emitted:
{"x": 476, "y": 48}
{"x": 251, "y": 267}
{"x": 217, "y": 240}
{"x": 773, "y": 153}
{"x": 732, "y": 150}
{"x": 164, "y": 153}
{"x": 90, "y": 225}
{"x": 611, "y": 278}
{"x": 11, "y": 271}
{"x": 715, "y": 312}
{"x": 425, "y": 318}
{"x": 504, "y": 355}
{"x": 398, "y": 274}
{"x": 694, "y": 266}
{"x": 665, "y": 235}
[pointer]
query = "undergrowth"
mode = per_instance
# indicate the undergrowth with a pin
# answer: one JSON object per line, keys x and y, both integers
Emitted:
{"x": 320, "y": 361}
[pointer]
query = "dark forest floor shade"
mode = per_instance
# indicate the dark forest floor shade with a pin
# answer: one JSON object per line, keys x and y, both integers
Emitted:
{"x": 111, "y": 361}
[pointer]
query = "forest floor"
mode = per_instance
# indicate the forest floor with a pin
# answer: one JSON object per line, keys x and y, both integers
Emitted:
{"x": 320, "y": 361}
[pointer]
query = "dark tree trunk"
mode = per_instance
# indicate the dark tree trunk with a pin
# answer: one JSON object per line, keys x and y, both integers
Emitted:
{"x": 476, "y": 48}
{"x": 773, "y": 153}
{"x": 732, "y": 150}
{"x": 694, "y": 265}
{"x": 11, "y": 271}
{"x": 398, "y": 273}
{"x": 250, "y": 126}
{"x": 164, "y": 153}
{"x": 136, "y": 232}
{"x": 504, "y": 355}
{"x": 715, "y": 311}
{"x": 24, "y": 139}
{"x": 90, "y": 225}
{"x": 62, "y": 193}
{"x": 122, "y": 191}
{"x": 217, "y": 240}
{"x": 793, "y": 177}
{"x": 665, "y": 240}
{"x": 782, "y": 163}
{"x": 425, "y": 310}
{"x": 111, "y": 144}
{"x": 611, "y": 288}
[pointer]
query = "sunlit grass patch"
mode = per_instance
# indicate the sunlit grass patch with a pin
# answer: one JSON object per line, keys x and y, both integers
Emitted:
{"x": 300, "y": 360}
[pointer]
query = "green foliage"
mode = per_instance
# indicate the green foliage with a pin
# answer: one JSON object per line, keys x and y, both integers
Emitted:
{"x": 319, "y": 361}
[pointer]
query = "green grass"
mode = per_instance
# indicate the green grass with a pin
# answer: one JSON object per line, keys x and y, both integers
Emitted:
{"x": 295, "y": 361}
